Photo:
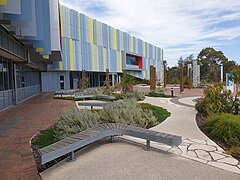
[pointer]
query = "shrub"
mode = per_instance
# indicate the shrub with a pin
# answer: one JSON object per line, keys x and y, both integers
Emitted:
{"x": 118, "y": 96}
{"x": 224, "y": 127}
{"x": 215, "y": 100}
{"x": 128, "y": 112}
{"x": 160, "y": 113}
{"x": 200, "y": 106}
{"x": 74, "y": 121}
{"x": 139, "y": 96}
{"x": 157, "y": 94}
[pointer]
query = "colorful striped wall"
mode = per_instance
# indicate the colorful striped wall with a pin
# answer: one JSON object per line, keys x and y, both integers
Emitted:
{"x": 33, "y": 20}
{"x": 94, "y": 46}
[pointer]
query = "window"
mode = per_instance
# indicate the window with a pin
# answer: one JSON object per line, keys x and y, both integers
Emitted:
{"x": 131, "y": 60}
{"x": 61, "y": 81}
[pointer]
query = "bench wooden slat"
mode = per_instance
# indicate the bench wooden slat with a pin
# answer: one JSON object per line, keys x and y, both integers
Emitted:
{"x": 90, "y": 135}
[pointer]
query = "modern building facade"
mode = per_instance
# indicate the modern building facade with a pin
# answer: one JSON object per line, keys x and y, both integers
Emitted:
{"x": 45, "y": 46}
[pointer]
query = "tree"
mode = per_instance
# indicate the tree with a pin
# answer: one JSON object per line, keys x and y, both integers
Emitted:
{"x": 127, "y": 83}
{"x": 209, "y": 60}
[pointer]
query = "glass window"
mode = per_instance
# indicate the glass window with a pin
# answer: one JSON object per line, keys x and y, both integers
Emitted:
{"x": 131, "y": 60}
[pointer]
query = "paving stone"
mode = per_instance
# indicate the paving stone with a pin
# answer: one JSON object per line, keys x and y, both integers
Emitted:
{"x": 194, "y": 158}
{"x": 183, "y": 149}
{"x": 216, "y": 156}
{"x": 191, "y": 153}
{"x": 198, "y": 141}
{"x": 239, "y": 166}
{"x": 229, "y": 160}
{"x": 175, "y": 151}
{"x": 202, "y": 147}
{"x": 203, "y": 155}
{"x": 225, "y": 166}
{"x": 187, "y": 141}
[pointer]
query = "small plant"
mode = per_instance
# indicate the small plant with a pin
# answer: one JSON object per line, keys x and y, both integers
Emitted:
{"x": 84, "y": 83}
{"x": 74, "y": 121}
{"x": 128, "y": 112}
{"x": 224, "y": 127}
{"x": 139, "y": 96}
{"x": 127, "y": 83}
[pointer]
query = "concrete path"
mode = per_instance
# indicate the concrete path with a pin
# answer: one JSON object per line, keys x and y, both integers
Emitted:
{"x": 125, "y": 160}
{"x": 17, "y": 126}
{"x": 196, "y": 158}
{"x": 196, "y": 145}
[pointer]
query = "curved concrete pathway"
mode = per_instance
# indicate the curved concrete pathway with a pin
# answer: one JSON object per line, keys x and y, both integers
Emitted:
{"x": 196, "y": 145}
{"x": 121, "y": 160}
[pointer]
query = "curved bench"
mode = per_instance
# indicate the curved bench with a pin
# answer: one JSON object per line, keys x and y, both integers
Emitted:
{"x": 79, "y": 140}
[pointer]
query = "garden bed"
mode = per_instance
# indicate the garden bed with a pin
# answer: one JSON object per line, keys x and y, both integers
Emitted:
{"x": 143, "y": 115}
{"x": 234, "y": 151}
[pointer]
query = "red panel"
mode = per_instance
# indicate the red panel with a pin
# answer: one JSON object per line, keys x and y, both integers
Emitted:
{"x": 140, "y": 62}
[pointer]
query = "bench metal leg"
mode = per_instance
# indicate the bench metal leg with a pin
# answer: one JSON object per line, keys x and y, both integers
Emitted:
{"x": 71, "y": 157}
{"x": 147, "y": 145}
{"x": 112, "y": 139}
{"x": 91, "y": 107}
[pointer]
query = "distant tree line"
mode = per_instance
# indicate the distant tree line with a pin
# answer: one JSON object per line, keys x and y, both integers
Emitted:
{"x": 209, "y": 59}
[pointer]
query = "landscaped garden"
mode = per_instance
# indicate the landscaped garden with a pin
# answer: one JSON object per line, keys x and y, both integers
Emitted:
{"x": 219, "y": 117}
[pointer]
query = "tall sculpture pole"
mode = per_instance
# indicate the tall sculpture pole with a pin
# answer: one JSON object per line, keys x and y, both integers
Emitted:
{"x": 165, "y": 77}
{"x": 181, "y": 78}
{"x": 152, "y": 78}
{"x": 190, "y": 78}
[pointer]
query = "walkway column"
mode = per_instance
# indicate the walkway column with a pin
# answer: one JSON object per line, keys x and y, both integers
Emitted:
{"x": 152, "y": 78}
{"x": 14, "y": 84}
{"x": 113, "y": 80}
{"x": 190, "y": 78}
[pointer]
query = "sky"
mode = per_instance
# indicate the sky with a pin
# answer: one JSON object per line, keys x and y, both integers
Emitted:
{"x": 180, "y": 27}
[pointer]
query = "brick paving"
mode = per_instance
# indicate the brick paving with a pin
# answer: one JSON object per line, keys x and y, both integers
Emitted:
{"x": 18, "y": 125}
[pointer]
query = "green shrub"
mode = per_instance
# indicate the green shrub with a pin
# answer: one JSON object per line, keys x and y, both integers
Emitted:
{"x": 44, "y": 138}
{"x": 160, "y": 113}
{"x": 127, "y": 112}
{"x": 224, "y": 127}
{"x": 74, "y": 121}
{"x": 157, "y": 94}
{"x": 118, "y": 96}
{"x": 139, "y": 96}
{"x": 200, "y": 106}
{"x": 215, "y": 100}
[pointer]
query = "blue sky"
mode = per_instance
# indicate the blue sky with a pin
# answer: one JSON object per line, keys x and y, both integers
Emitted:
{"x": 179, "y": 27}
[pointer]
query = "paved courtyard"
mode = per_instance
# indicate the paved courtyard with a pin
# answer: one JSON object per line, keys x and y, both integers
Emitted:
{"x": 17, "y": 126}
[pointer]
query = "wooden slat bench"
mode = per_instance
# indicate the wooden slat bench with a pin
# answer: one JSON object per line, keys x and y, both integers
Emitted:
{"x": 79, "y": 140}
{"x": 101, "y": 96}
{"x": 92, "y": 104}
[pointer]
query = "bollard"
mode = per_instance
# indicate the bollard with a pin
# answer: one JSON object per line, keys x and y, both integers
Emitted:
{"x": 172, "y": 92}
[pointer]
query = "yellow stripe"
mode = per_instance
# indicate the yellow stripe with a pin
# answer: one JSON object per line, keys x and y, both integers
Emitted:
{"x": 104, "y": 59}
{"x": 39, "y": 49}
{"x": 45, "y": 56}
{"x": 90, "y": 26}
{"x": 115, "y": 39}
{"x": 71, "y": 55}
{"x": 3, "y": 2}
{"x": 132, "y": 72}
{"x": 93, "y": 65}
{"x": 97, "y": 58}
{"x": 79, "y": 33}
{"x": 120, "y": 61}
{"x": 144, "y": 74}
{"x": 96, "y": 33}
{"x": 61, "y": 18}
{"x": 61, "y": 65}
{"x": 69, "y": 27}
